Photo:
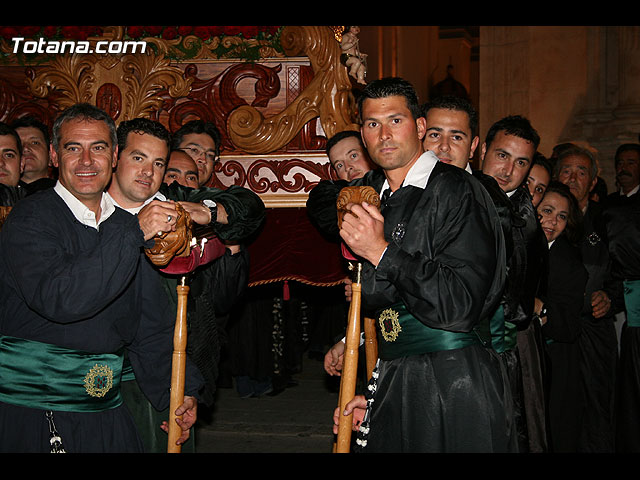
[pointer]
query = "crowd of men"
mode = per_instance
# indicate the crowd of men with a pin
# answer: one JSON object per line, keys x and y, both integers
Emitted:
{"x": 86, "y": 319}
{"x": 441, "y": 262}
{"x": 455, "y": 268}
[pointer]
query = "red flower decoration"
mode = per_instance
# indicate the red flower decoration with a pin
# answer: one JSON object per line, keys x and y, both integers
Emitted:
{"x": 9, "y": 32}
{"x": 29, "y": 31}
{"x": 71, "y": 31}
{"x": 169, "y": 33}
{"x": 184, "y": 31}
{"x": 202, "y": 32}
{"x": 216, "y": 30}
{"x": 135, "y": 31}
{"x": 50, "y": 31}
{"x": 249, "y": 32}
{"x": 153, "y": 31}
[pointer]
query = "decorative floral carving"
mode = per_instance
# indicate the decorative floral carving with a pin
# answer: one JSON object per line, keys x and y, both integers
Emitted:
{"x": 73, "y": 78}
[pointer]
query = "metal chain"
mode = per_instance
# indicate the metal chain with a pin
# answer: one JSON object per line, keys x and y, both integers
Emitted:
{"x": 55, "y": 440}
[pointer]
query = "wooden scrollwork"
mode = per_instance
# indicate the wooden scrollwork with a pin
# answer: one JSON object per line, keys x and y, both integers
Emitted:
{"x": 127, "y": 86}
{"x": 327, "y": 96}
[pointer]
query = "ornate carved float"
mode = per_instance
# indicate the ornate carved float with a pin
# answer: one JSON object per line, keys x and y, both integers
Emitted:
{"x": 275, "y": 99}
{"x": 274, "y": 114}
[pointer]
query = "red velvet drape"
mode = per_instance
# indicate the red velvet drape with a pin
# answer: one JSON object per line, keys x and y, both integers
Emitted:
{"x": 289, "y": 247}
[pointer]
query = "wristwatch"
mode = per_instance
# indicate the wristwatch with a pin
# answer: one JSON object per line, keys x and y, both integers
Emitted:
{"x": 543, "y": 311}
{"x": 213, "y": 208}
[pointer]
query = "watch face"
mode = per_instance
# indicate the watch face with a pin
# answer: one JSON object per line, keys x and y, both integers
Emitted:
{"x": 209, "y": 203}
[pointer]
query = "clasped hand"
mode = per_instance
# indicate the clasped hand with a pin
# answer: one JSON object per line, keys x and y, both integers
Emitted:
{"x": 363, "y": 231}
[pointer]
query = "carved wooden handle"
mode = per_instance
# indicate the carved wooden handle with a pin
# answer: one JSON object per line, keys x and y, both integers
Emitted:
{"x": 355, "y": 194}
{"x": 172, "y": 244}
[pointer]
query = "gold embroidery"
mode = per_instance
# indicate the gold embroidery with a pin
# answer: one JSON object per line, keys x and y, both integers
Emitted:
{"x": 98, "y": 381}
{"x": 389, "y": 324}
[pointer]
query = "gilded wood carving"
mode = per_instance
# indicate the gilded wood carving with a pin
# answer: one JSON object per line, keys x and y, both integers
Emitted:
{"x": 100, "y": 79}
{"x": 327, "y": 96}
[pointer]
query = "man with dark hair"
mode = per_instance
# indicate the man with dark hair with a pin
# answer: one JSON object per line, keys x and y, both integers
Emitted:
{"x": 577, "y": 168}
{"x": 201, "y": 140}
{"x": 348, "y": 156}
{"x": 11, "y": 163}
{"x": 627, "y": 164}
{"x": 431, "y": 294}
{"x": 76, "y": 294}
{"x": 216, "y": 278}
{"x": 181, "y": 169}
{"x": 507, "y": 155}
{"x": 452, "y": 125}
{"x": 34, "y": 136}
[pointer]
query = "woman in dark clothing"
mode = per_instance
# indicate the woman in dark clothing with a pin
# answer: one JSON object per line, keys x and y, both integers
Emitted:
{"x": 559, "y": 313}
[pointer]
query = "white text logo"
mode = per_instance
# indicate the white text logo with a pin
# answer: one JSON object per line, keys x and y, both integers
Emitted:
{"x": 76, "y": 46}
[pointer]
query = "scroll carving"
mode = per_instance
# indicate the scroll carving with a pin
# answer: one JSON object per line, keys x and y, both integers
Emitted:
{"x": 214, "y": 99}
{"x": 127, "y": 87}
{"x": 327, "y": 96}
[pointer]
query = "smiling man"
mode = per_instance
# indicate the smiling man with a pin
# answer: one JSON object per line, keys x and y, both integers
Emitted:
{"x": 76, "y": 288}
{"x": 451, "y": 130}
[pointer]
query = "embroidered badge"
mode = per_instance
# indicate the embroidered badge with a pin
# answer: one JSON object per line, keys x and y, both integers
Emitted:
{"x": 593, "y": 239}
{"x": 98, "y": 381}
{"x": 398, "y": 232}
{"x": 389, "y": 324}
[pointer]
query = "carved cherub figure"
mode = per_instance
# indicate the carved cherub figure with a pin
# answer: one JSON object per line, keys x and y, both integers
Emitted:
{"x": 355, "y": 61}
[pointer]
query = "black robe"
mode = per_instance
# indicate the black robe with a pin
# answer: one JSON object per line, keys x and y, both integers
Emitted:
{"x": 70, "y": 285}
{"x": 213, "y": 289}
{"x": 563, "y": 299}
{"x": 598, "y": 340}
{"x": 623, "y": 232}
{"x": 523, "y": 351}
{"x": 445, "y": 264}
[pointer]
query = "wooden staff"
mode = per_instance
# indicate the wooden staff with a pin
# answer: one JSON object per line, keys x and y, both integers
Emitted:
{"x": 178, "y": 366}
{"x": 349, "y": 366}
{"x": 370, "y": 345}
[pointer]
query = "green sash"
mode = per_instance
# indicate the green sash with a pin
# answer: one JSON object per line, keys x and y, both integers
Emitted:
{"x": 632, "y": 302}
{"x": 497, "y": 330}
{"x": 503, "y": 333}
{"x": 44, "y": 376}
{"x": 401, "y": 335}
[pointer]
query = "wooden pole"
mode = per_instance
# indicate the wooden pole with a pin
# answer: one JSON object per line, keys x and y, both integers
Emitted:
{"x": 370, "y": 345}
{"x": 178, "y": 366}
{"x": 349, "y": 366}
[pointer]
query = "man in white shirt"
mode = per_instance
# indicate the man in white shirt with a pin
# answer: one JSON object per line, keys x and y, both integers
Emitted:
{"x": 432, "y": 307}
{"x": 76, "y": 293}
